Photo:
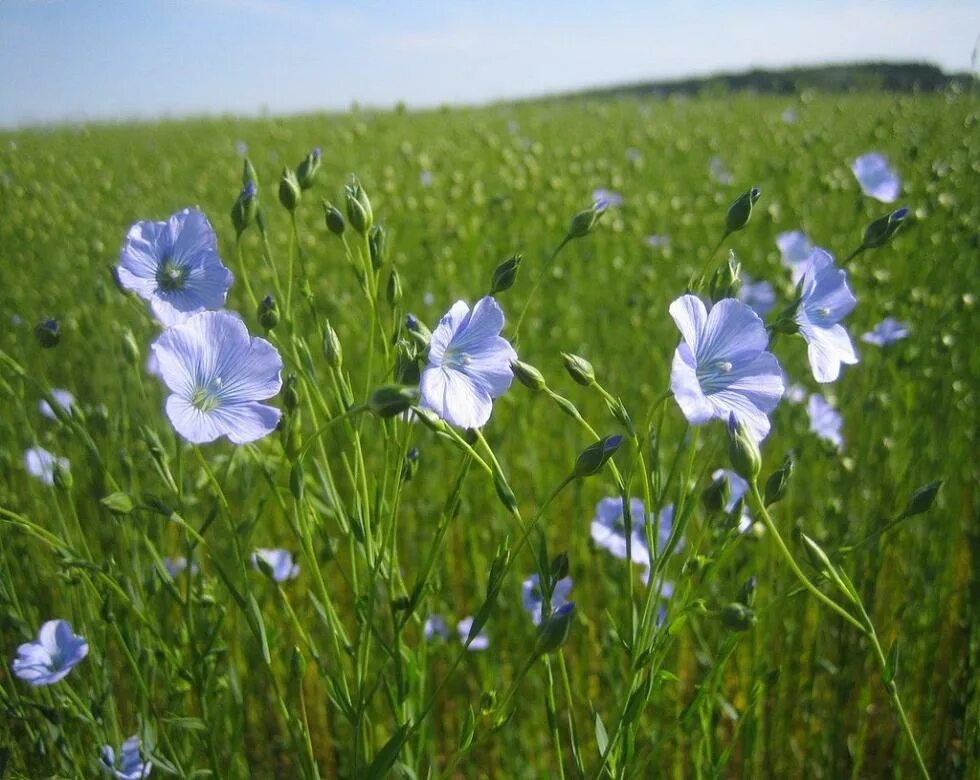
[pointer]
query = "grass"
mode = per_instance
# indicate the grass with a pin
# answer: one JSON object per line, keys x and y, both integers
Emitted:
{"x": 224, "y": 672}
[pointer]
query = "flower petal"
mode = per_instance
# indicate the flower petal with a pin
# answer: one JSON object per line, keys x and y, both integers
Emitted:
{"x": 445, "y": 330}
{"x": 454, "y": 397}
{"x": 686, "y": 388}
{"x": 827, "y": 348}
{"x": 690, "y": 315}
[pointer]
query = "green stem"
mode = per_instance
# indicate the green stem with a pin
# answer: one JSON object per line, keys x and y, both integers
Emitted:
{"x": 537, "y": 283}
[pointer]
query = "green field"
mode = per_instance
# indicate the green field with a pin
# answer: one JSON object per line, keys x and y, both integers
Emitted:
{"x": 225, "y": 672}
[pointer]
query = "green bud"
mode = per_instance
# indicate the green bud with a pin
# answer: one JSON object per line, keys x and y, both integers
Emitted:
{"x": 420, "y": 333}
{"x": 296, "y": 480}
{"x": 333, "y": 218}
{"x": 392, "y": 400}
{"x": 411, "y": 465}
{"x": 725, "y": 282}
{"x": 131, "y": 350}
{"x": 737, "y": 617}
{"x": 249, "y": 174}
{"x": 63, "y": 479}
{"x": 594, "y": 457}
{"x": 778, "y": 481}
{"x": 559, "y": 567}
{"x": 291, "y": 434}
{"x": 378, "y": 244}
{"x": 246, "y": 207}
{"x": 290, "y": 393}
{"x": 359, "y": 212}
{"x": 505, "y": 274}
{"x": 268, "y": 312}
{"x": 880, "y": 231}
{"x": 528, "y": 375}
{"x": 741, "y": 209}
{"x": 922, "y": 499}
{"x": 579, "y": 369}
{"x": 554, "y": 629}
{"x": 331, "y": 347}
{"x": 118, "y": 503}
{"x": 394, "y": 289}
{"x": 583, "y": 222}
{"x": 497, "y": 569}
{"x": 746, "y": 594}
{"x": 743, "y": 450}
{"x": 717, "y": 495}
{"x": 289, "y": 189}
{"x": 505, "y": 494}
{"x": 297, "y": 664}
{"x": 619, "y": 412}
{"x": 306, "y": 170}
{"x": 48, "y": 333}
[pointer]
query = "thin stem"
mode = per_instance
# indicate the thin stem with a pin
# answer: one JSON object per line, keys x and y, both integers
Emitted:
{"x": 759, "y": 506}
{"x": 537, "y": 283}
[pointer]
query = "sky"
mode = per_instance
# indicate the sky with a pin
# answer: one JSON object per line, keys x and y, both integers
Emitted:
{"x": 75, "y": 60}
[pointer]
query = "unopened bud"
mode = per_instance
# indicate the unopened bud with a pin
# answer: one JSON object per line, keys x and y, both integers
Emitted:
{"x": 594, "y": 457}
{"x": 880, "y": 231}
{"x": 306, "y": 170}
{"x": 131, "y": 350}
{"x": 717, "y": 495}
{"x": 394, "y": 288}
{"x": 746, "y": 594}
{"x": 420, "y": 333}
{"x": 411, "y": 465}
{"x": 268, "y": 312}
{"x": 922, "y": 499}
{"x": 246, "y": 207}
{"x": 333, "y": 219}
{"x": 554, "y": 629}
{"x": 62, "y": 476}
{"x": 579, "y": 369}
{"x": 528, "y": 375}
{"x": 391, "y": 400}
{"x": 583, "y": 222}
{"x": 378, "y": 245}
{"x": 289, "y": 189}
{"x": 331, "y": 347}
{"x": 741, "y": 209}
{"x": 290, "y": 393}
{"x": 737, "y": 617}
{"x": 48, "y": 333}
{"x": 725, "y": 283}
{"x": 559, "y": 567}
{"x": 497, "y": 569}
{"x": 505, "y": 274}
{"x": 291, "y": 435}
{"x": 743, "y": 449}
{"x": 359, "y": 212}
{"x": 778, "y": 481}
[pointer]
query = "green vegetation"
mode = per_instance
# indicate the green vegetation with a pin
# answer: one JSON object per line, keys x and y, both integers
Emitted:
{"x": 226, "y": 672}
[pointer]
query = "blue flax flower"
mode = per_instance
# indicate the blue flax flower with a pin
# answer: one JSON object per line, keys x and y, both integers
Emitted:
{"x": 604, "y": 198}
{"x": 57, "y": 650}
{"x": 888, "y": 331}
{"x": 722, "y": 365}
{"x": 130, "y": 764}
{"x": 175, "y": 266}
{"x": 434, "y": 627}
{"x": 877, "y": 180}
{"x": 758, "y": 296}
{"x": 469, "y": 364}
{"x": 533, "y": 599}
{"x": 826, "y": 300}
{"x": 480, "y": 642}
{"x": 277, "y": 563}
{"x": 63, "y": 398}
{"x": 41, "y": 464}
{"x": 217, "y": 375}
{"x": 825, "y": 420}
{"x": 795, "y": 248}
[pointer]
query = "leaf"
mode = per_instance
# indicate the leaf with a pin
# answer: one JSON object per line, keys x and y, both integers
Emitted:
{"x": 385, "y": 758}
{"x": 601, "y": 737}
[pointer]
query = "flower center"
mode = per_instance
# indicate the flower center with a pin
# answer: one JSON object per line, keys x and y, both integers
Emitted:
{"x": 456, "y": 360}
{"x": 208, "y": 397}
{"x": 712, "y": 376}
{"x": 823, "y": 311}
{"x": 171, "y": 275}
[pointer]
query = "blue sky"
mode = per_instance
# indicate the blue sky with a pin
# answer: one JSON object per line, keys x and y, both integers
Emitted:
{"x": 82, "y": 59}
